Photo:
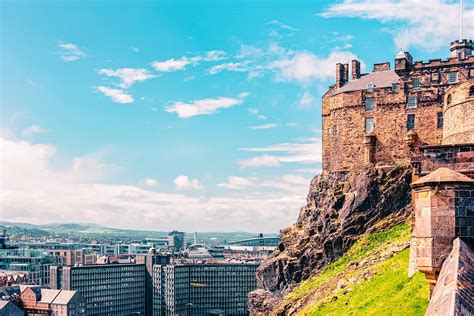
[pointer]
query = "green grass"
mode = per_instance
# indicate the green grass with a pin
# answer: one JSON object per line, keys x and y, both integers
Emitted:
{"x": 388, "y": 291}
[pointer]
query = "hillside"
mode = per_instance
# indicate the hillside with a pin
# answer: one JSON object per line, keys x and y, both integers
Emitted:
{"x": 359, "y": 283}
{"x": 352, "y": 233}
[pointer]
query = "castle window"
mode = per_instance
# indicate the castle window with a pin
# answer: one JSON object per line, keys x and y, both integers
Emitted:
{"x": 411, "y": 104}
{"x": 471, "y": 91}
{"x": 369, "y": 104}
{"x": 370, "y": 87}
{"x": 394, "y": 87}
{"x": 452, "y": 77}
{"x": 410, "y": 122}
{"x": 416, "y": 82}
{"x": 369, "y": 124}
{"x": 439, "y": 122}
{"x": 334, "y": 130}
{"x": 448, "y": 99}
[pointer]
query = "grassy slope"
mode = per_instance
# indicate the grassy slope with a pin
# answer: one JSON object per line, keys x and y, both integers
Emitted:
{"x": 371, "y": 279}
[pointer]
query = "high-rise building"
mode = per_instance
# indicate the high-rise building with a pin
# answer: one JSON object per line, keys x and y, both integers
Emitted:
{"x": 108, "y": 289}
{"x": 202, "y": 289}
{"x": 176, "y": 241}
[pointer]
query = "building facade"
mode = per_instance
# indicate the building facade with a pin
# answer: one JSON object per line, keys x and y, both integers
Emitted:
{"x": 41, "y": 301}
{"x": 176, "y": 241}
{"x": 108, "y": 289}
{"x": 35, "y": 263}
{"x": 385, "y": 116}
{"x": 202, "y": 289}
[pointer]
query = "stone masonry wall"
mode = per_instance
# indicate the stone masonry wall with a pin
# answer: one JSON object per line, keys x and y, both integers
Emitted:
{"x": 343, "y": 148}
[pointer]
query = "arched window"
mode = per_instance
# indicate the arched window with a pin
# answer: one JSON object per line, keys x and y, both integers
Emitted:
{"x": 471, "y": 91}
{"x": 448, "y": 99}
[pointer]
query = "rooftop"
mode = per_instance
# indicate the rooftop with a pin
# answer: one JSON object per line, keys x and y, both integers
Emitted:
{"x": 442, "y": 175}
{"x": 380, "y": 79}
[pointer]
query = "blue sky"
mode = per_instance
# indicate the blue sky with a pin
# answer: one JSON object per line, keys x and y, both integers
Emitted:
{"x": 196, "y": 115}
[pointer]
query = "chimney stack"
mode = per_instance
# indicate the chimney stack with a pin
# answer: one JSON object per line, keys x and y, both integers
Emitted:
{"x": 342, "y": 74}
{"x": 355, "y": 69}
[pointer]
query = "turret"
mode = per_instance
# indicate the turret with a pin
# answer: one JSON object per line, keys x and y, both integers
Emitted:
{"x": 461, "y": 48}
{"x": 403, "y": 61}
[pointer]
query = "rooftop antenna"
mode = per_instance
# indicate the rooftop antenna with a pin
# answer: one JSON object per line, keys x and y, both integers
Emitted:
{"x": 462, "y": 19}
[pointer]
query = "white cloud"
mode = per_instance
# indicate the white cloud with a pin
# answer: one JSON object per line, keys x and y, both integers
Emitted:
{"x": 34, "y": 190}
{"x": 117, "y": 95}
{"x": 127, "y": 76}
{"x": 260, "y": 161}
{"x": 171, "y": 64}
{"x": 233, "y": 66}
{"x": 282, "y": 25}
{"x": 256, "y": 113}
{"x": 430, "y": 24}
{"x": 181, "y": 63}
{"x": 134, "y": 49}
{"x": 70, "y": 52}
{"x": 148, "y": 182}
{"x": 204, "y": 106}
{"x": 305, "y": 151}
{"x": 213, "y": 55}
{"x": 264, "y": 126}
{"x": 306, "y": 100}
{"x": 249, "y": 51}
{"x": 236, "y": 183}
{"x": 305, "y": 66}
{"x": 183, "y": 183}
{"x": 34, "y": 130}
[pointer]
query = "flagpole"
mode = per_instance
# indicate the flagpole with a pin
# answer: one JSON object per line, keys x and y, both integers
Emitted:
{"x": 462, "y": 20}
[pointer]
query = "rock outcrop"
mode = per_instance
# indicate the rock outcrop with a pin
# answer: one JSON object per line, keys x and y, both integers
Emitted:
{"x": 340, "y": 208}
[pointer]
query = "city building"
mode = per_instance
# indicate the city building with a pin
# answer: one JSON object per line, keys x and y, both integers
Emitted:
{"x": 35, "y": 263}
{"x": 41, "y": 301}
{"x": 9, "y": 278}
{"x": 386, "y": 116}
{"x": 108, "y": 289}
{"x": 176, "y": 241}
{"x": 202, "y": 289}
{"x": 257, "y": 241}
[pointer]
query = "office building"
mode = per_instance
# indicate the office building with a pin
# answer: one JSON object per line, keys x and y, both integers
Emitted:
{"x": 108, "y": 289}
{"x": 202, "y": 289}
{"x": 176, "y": 241}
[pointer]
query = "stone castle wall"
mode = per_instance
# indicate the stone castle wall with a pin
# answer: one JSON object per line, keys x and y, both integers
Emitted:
{"x": 344, "y": 115}
{"x": 459, "y": 115}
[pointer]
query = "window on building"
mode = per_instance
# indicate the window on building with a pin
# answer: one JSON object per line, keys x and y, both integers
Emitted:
{"x": 448, "y": 99}
{"x": 439, "y": 122}
{"x": 369, "y": 124}
{"x": 471, "y": 91}
{"x": 411, "y": 104}
{"x": 416, "y": 82}
{"x": 394, "y": 87}
{"x": 369, "y": 104}
{"x": 334, "y": 130}
{"x": 453, "y": 77}
{"x": 410, "y": 122}
{"x": 370, "y": 87}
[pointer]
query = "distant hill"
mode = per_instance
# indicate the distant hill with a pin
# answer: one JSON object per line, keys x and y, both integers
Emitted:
{"x": 91, "y": 230}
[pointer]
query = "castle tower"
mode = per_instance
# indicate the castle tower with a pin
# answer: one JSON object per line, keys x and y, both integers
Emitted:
{"x": 458, "y": 114}
{"x": 461, "y": 48}
{"x": 442, "y": 208}
{"x": 403, "y": 61}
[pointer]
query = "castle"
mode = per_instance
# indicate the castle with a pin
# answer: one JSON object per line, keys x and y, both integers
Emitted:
{"x": 386, "y": 116}
{"x": 419, "y": 114}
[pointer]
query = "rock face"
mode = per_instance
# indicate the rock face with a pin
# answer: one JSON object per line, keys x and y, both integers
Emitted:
{"x": 339, "y": 209}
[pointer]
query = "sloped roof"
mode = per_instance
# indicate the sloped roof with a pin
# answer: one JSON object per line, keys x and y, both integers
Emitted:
{"x": 64, "y": 297}
{"x": 381, "y": 79}
{"x": 442, "y": 175}
{"x": 48, "y": 296}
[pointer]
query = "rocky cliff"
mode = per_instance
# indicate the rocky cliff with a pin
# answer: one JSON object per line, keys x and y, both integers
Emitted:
{"x": 340, "y": 208}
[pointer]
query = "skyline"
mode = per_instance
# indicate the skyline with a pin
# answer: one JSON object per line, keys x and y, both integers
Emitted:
{"x": 153, "y": 117}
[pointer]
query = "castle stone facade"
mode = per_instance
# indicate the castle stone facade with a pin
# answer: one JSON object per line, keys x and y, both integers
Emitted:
{"x": 385, "y": 117}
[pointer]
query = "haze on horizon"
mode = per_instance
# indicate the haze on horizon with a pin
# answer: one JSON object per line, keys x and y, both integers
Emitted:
{"x": 197, "y": 116}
